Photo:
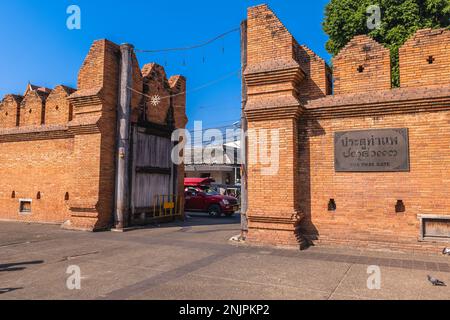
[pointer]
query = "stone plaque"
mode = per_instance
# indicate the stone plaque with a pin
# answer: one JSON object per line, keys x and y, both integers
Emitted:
{"x": 378, "y": 150}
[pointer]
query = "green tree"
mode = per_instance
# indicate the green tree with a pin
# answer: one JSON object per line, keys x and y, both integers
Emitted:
{"x": 345, "y": 19}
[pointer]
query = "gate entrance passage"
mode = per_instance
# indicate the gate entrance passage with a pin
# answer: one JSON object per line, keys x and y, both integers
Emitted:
{"x": 151, "y": 108}
{"x": 153, "y": 177}
{"x": 98, "y": 156}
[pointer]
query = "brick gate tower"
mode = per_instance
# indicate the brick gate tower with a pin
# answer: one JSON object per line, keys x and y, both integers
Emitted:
{"x": 365, "y": 165}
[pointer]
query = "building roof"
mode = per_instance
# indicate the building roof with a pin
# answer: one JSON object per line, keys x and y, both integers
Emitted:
{"x": 40, "y": 89}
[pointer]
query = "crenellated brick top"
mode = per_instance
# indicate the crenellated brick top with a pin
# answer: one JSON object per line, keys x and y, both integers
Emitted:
{"x": 37, "y": 107}
{"x": 363, "y": 65}
{"x": 396, "y": 94}
{"x": 270, "y": 37}
{"x": 41, "y": 108}
{"x": 171, "y": 92}
{"x": 425, "y": 59}
{"x": 281, "y": 73}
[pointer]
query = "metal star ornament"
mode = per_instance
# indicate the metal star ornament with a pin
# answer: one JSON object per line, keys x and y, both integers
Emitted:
{"x": 155, "y": 100}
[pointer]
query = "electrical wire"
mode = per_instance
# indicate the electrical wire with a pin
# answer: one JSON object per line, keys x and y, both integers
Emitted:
{"x": 208, "y": 84}
{"x": 231, "y": 126}
{"x": 220, "y": 36}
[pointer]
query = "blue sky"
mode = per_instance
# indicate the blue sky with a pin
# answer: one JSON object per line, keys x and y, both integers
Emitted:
{"x": 38, "y": 47}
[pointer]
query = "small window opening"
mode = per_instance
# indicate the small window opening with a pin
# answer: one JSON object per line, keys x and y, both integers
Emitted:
{"x": 30, "y": 111}
{"x": 6, "y": 114}
{"x": 360, "y": 69}
{"x": 66, "y": 197}
{"x": 57, "y": 107}
{"x": 13, "y": 195}
{"x": 332, "y": 205}
{"x": 400, "y": 207}
{"x": 430, "y": 60}
{"x": 25, "y": 206}
{"x": 38, "y": 195}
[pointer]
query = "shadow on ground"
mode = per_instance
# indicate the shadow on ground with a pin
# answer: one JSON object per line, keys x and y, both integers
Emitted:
{"x": 8, "y": 290}
{"x": 19, "y": 266}
{"x": 194, "y": 219}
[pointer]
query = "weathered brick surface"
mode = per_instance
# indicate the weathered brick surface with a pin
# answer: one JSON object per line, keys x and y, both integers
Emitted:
{"x": 273, "y": 75}
{"x": 37, "y": 166}
{"x": 137, "y": 100}
{"x": 178, "y": 89}
{"x": 264, "y": 26}
{"x": 58, "y": 109}
{"x": 9, "y": 111}
{"x": 32, "y": 109}
{"x": 292, "y": 207}
{"x": 366, "y": 201}
{"x": 317, "y": 83}
{"x": 362, "y": 65}
{"x": 61, "y": 155}
{"x": 156, "y": 85}
{"x": 425, "y": 59}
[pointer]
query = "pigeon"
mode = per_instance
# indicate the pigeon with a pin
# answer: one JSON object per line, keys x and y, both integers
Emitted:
{"x": 446, "y": 251}
{"x": 236, "y": 238}
{"x": 436, "y": 282}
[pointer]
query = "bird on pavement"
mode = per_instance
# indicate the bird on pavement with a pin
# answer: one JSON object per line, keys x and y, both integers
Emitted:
{"x": 436, "y": 282}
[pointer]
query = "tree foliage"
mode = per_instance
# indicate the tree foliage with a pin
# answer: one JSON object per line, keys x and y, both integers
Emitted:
{"x": 345, "y": 19}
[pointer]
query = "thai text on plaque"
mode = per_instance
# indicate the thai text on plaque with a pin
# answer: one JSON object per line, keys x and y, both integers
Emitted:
{"x": 377, "y": 150}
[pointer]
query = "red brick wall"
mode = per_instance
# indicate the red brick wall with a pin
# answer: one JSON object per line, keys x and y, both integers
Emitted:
{"x": 58, "y": 109}
{"x": 9, "y": 111}
{"x": 32, "y": 109}
{"x": 363, "y": 65}
{"x": 318, "y": 75}
{"x": 292, "y": 206}
{"x": 30, "y": 167}
{"x": 415, "y": 67}
{"x": 263, "y": 27}
{"x": 272, "y": 196}
{"x": 178, "y": 88}
{"x": 94, "y": 176}
{"x": 65, "y": 148}
{"x": 366, "y": 201}
{"x": 137, "y": 100}
{"x": 156, "y": 84}
{"x": 61, "y": 158}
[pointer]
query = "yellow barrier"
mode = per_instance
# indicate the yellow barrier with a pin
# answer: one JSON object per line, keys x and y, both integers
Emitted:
{"x": 167, "y": 206}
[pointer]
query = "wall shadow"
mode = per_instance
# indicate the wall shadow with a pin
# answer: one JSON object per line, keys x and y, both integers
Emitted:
{"x": 310, "y": 62}
{"x": 19, "y": 266}
{"x": 307, "y": 128}
{"x": 194, "y": 219}
{"x": 203, "y": 219}
{"x": 8, "y": 290}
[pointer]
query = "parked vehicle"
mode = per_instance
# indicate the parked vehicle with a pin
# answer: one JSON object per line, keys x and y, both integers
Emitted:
{"x": 201, "y": 197}
{"x": 229, "y": 190}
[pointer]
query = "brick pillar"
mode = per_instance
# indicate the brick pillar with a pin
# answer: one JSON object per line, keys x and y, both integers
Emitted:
{"x": 272, "y": 77}
{"x": 94, "y": 129}
{"x": 272, "y": 196}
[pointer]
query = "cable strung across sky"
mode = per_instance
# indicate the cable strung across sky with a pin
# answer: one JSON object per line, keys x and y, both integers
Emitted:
{"x": 220, "y": 36}
{"x": 191, "y": 90}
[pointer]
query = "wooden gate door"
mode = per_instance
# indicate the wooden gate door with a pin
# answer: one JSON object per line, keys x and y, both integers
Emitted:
{"x": 153, "y": 176}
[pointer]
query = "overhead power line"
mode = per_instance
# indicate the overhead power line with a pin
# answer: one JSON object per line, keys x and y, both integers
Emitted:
{"x": 220, "y": 36}
{"x": 189, "y": 91}
{"x": 230, "y": 126}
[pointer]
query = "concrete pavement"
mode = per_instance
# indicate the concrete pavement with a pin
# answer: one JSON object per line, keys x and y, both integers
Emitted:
{"x": 195, "y": 260}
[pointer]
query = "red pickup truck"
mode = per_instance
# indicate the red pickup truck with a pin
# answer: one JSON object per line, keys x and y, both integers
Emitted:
{"x": 199, "y": 196}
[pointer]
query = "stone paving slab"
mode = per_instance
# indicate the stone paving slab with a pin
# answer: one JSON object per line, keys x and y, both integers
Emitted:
{"x": 195, "y": 260}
